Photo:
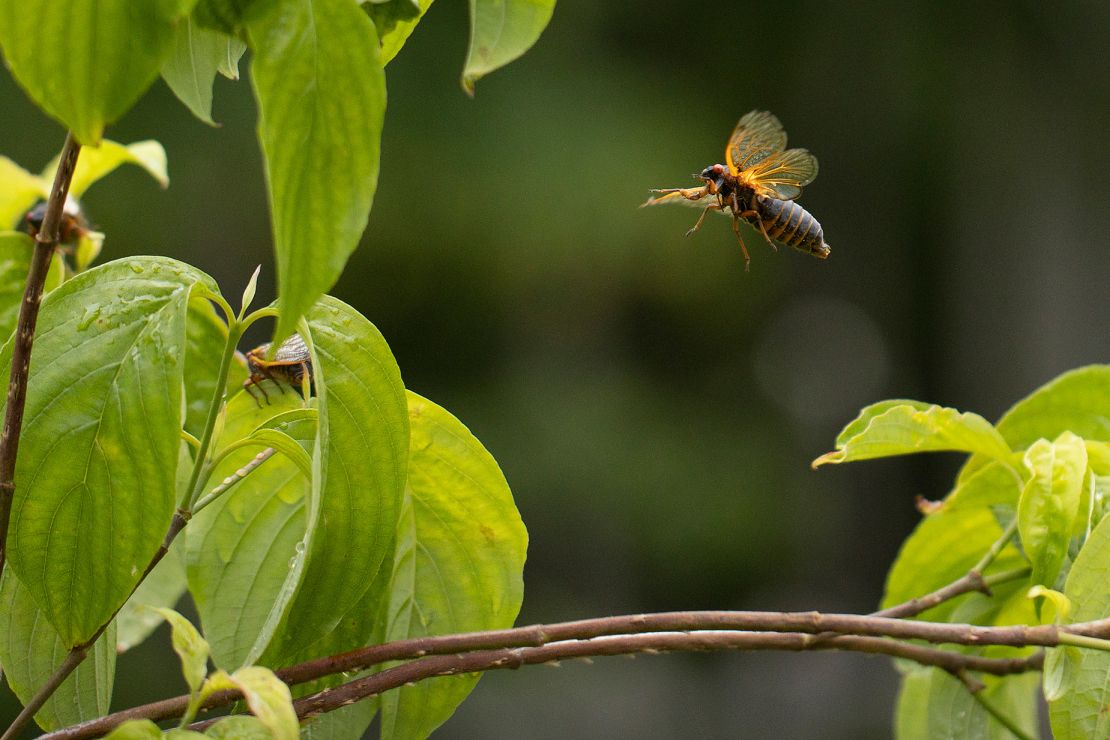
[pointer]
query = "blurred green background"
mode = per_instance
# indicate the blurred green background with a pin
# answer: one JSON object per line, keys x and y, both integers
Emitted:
{"x": 654, "y": 408}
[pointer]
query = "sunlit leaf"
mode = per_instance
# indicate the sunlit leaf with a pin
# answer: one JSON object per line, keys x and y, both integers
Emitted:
{"x": 19, "y": 190}
{"x": 1049, "y": 503}
{"x": 317, "y": 74}
{"x": 30, "y": 651}
{"x": 360, "y": 469}
{"x": 1077, "y": 401}
{"x": 460, "y": 557}
{"x": 15, "y": 261}
{"x": 1083, "y": 693}
{"x": 993, "y": 485}
{"x": 239, "y": 549}
{"x": 111, "y": 54}
{"x": 887, "y": 429}
{"x": 500, "y": 31}
{"x": 190, "y": 647}
{"x": 94, "y": 162}
{"x": 269, "y": 700}
{"x": 100, "y": 443}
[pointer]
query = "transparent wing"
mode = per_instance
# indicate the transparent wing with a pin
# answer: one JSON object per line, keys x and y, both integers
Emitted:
{"x": 782, "y": 175}
{"x": 292, "y": 351}
{"x": 757, "y": 136}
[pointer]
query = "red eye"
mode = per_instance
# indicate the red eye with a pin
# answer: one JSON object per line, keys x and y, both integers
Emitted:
{"x": 718, "y": 169}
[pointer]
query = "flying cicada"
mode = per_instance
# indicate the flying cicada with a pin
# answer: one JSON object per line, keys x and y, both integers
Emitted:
{"x": 291, "y": 365}
{"x": 759, "y": 184}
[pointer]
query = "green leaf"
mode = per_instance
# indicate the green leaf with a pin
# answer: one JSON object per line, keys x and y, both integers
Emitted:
{"x": 934, "y": 704}
{"x": 239, "y": 728}
{"x": 227, "y": 16}
{"x": 163, "y": 587}
{"x": 1078, "y": 401}
{"x": 500, "y": 31}
{"x": 190, "y": 647}
{"x": 317, "y": 74}
{"x": 95, "y": 480}
{"x": 1049, "y": 503}
{"x": 135, "y": 729}
{"x": 993, "y": 485}
{"x": 883, "y": 430}
{"x": 30, "y": 651}
{"x": 459, "y": 561}
{"x": 942, "y": 548}
{"x": 1079, "y": 711}
{"x": 111, "y": 54}
{"x": 19, "y": 190}
{"x": 269, "y": 700}
{"x": 15, "y": 261}
{"x": 239, "y": 549}
{"x": 395, "y": 21}
{"x": 360, "y": 465}
{"x": 94, "y": 163}
{"x": 190, "y": 69}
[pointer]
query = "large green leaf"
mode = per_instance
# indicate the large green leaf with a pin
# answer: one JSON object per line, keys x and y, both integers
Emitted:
{"x": 95, "y": 480}
{"x": 1080, "y": 712}
{"x": 1078, "y": 401}
{"x": 942, "y": 548}
{"x": 360, "y": 469}
{"x": 15, "y": 261}
{"x": 86, "y": 62}
{"x": 901, "y": 428}
{"x": 317, "y": 74}
{"x": 31, "y": 650}
{"x": 459, "y": 561}
{"x": 933, "y": 705}
{"x": 198, "y": 55}
{"x": 239, "y": 548}
{"x": 1049, "y": 503}
{"x": 500, "y": 31}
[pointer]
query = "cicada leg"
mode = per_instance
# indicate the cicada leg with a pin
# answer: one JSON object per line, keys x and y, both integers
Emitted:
{"x": 743, "y": 247}
{"x": 701, "y": 218}
{"x": 687, "y": 193}
{"x": 762, "y": 228}
{"x": 253, "y": 382}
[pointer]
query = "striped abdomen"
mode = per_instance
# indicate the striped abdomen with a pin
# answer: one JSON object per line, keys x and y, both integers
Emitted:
{"x": 788, "y": 223}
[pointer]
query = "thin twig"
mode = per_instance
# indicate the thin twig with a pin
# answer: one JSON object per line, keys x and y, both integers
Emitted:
{"x": 46, "y": 240}
{"x": 227, "y": 483}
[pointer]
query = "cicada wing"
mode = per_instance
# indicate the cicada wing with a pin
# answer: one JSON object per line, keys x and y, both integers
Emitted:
{"x": 292, "y": 351}
{"x": 757, "y": 136}
{"x": 782, "y": 175}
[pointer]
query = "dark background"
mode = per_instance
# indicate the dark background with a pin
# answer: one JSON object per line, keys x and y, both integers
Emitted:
{"x": 654, "y": 408}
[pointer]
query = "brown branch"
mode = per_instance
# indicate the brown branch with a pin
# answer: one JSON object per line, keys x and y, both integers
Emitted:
{"x": 78, "y": 652}
{"x": 513, "y": 658}
{"x": 46, "y": 240}
{"x": 761, "y": 630}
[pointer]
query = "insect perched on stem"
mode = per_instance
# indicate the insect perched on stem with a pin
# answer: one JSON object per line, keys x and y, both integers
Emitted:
{"x": 72, "y": 226}
{"x": 759, "y": 184}
{"x": 291, "y": 365}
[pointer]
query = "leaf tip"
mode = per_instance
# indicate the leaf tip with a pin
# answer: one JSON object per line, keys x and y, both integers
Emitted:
{"x": 467, "y": 83}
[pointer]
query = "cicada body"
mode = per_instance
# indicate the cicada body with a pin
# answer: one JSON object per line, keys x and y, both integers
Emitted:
{"x": 291, "y": 365}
